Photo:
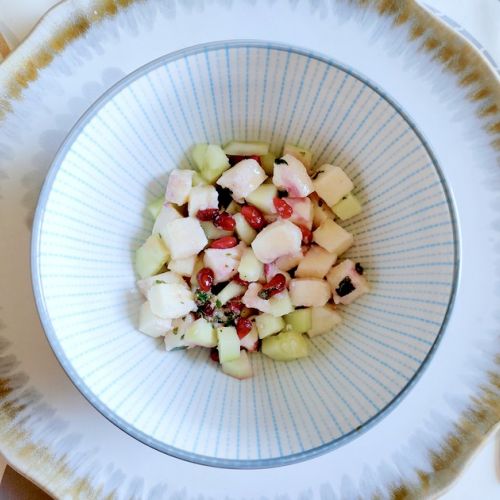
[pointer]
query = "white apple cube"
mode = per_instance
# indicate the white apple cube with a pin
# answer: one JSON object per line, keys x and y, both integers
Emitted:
{"x": 263, "y": 197}
{"x": 178, "y": 186}
{"x": 151, "y": 256}
{"x": 201, "y": 198}
{"x": 228, "y": 344}
{"x": 323, "y": 320}
{"x": 167, "y": 214}
{"x": 201, "y": 333}
{"x": 302, "y": 211}
{"x": 309, "y": 292}
{"x": 239, "y": 368}
{"x": 279, "y": 238}
{"x": 332, "y": 237}
{"x": 288, "y": 262}
{"x": 252, "y": 300}
{"x": 291, "y": 175}
{"x": 198, "y": 266}
{"x": 250, "y": 268}
{"x": 167, "y": 277}
{"x": 224, "y": 262}
{"x": 331, "y": 183}
{"x": 244, "y": 230}
{"x": 251, "y": 340}
{"x": 150, "y": 324}
{"x": 346, "y": 283}
{"x": 316, "y": 263}
{"x": 230, "y": 291}
{"x": 170, "y": 300}
{"x": 184, "y": 267}
{"x": 349, "y": 206}
{"x": 212, "y": 232}
{"x": 185, "y": 237}
{"x": 267, "y": 324}
{"x": 175, "y": 338}
{"x": 321, "y": 212}
{"x": 280, "y": 304}
{"x": 243, "y": 178}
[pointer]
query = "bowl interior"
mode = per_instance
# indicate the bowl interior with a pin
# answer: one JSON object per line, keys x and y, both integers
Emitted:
{"x": 91, "y": 218}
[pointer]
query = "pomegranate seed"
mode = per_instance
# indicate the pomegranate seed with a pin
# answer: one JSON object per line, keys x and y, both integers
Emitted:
{"x": 276, "y": 285}
{"x": 208, "y": 310}
{"x": 235, "y": 305}
{"x": 243, "y": 327}
{"x": 207, "y": 214}
{"x": 214, "y": 354}
{"x": 307, "y": 235}
{"x": 240, "y": 281}
{"x": 205, "y": 279}
{"x": 247, "y": 312}
{"x": 224, "y": 242}
{"x": 253, "y": 216}
{"x": 225, "y": 221}
{"x": 284, "y": 209}
{"x": 233, "y": 160}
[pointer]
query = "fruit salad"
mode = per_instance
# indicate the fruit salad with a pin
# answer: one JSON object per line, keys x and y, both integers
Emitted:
{"x": 245, "y": 255}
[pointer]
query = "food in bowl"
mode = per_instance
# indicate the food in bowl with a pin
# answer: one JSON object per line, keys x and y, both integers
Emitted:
{"x": 243, "y": 255}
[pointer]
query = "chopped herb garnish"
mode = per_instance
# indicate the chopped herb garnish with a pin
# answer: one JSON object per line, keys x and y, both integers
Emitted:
{"x": 359, "y": 268}
{"x": 345, "y": 287}
{"x": 160, "y": 282}
{"x": 218, "y": 303}
{"x": 280, "y": 161}
{"x": 201, "y": 297}
{"x": 175, "y": 331}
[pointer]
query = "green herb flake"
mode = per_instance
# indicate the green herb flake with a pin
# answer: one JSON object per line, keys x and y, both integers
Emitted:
{"x": 160, "y": 282}
{"x": 218, "y": 303}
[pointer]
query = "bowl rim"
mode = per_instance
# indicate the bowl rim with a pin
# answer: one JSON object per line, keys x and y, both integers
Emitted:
{"x": 50, "y": 331}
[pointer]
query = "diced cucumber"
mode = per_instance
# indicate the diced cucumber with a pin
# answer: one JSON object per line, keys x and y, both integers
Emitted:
{"x": 198, "y": 180}
{"x": 229, "y": 344}
{"x": 201, "y": 333}
{"x": 233, "y": 208}
{"x": 243, "y": 229}
{"x": 198, "y": 153}
{"x": 239, "y": 368}
{"x": 267, "y": 324}
{"x": 262, "y": 198}
{"x": 230, "y": 291}
{"x": 250, "y": 268}
{"x": 323, "y": 320}
{"x": 235, "y": 148}
{"x": 286, "y": 346}
{"x": 216, "y": 162}
{"x": 280, "y": 304}
{"x": 151, "y": 256}
{"x": 155, "y": 206}
{"x": 302, "y": 154}
{"x": 267, "y": 163}
{"x": 347, "y": 207}
{"x": 212, "y": 232}
{"x": 299, "y": 320}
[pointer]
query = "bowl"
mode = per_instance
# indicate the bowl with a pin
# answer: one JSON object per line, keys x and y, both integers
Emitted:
{"x": 91, "y": 218}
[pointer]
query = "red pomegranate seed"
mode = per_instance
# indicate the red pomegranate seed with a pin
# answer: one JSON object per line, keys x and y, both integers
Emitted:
{"x": 235, "y": 305}
{"x": 225, "y": 221}
{"x": 224, "y": 242}
{"x": 208, "y": 310}
{"x": 205, "y": 279}
{"x": 284, "y": 209}
{"x": 240, "y": 281}
{"x": 207, "y": 214}
{"x": 253, "y": 216}
{"x": 214, "y": 354}
{"x": 243, "y": 327}
{"x": 234, "y": 159}
{"x": 247, "y": 312}
{"x": 307, "y": 235}
{"x": 276, "y": 285}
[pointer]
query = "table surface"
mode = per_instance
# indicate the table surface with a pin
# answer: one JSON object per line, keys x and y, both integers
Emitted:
{"x": 481, "y": 18}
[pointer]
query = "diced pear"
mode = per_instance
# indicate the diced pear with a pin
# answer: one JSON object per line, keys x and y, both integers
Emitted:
{"x": 238, "y": 368}
{"x": 198, "y": 153}
{"x": 212, "y": 232}
{"x": 300, "y": 320}
{"x": 279, "y": 238}
{"x": 228, "y": 344}
{"x": 201, "y": 333}
{"x": 271, "y": 270}
{"x": 349, "y": 206}
{"x": 237, "y": 148}
{"x": 224, "y": 262}
{"x": 230, "y": 291}
{"x": 267, "y": 324}
{"x": 216, "y": 162}
{"x": 321, "y": 211}
{"x": 280, "y": 304}
{"x": 167, "y": 277}
{"x": 251, "y": 340}
{"x": 198, "y": 180}
{"x": 243, "y": 229}
{"x": 151, "y": 256}
{"x": 167, "y": 214}
{"x": 309, "y": 292}
{"x": 302, "y": 211}
{"x": 262, "y": 198}
{"x": 201, "y": 198}
{"x": 185, "y": 237}
{"x": 316, "y": 263}
{"x": 331, "y": 184}
{"x": 170, "y": 300}
{"x": 178, "y": 186}
{"x": 323, "y": 320}
{"x": 332, "y": 237}
{"x": 250, "y": 268}
{"x": 243, "y": 178}
{"x": 151, "y": 324}
{"x": 199, "y": 264}
{"x": 252, "y": 300}
{"x": 267, "y": 163}
{"x": 184, "y": 267}
{"x": 302, "y": 154}
{"x": 291, "y": 175}
{"x": 233, "y": 208}
{"x": 175, "y": 338}
{"x": 286, "y": 346}
{"x": 155, "y": 206}
{"x": 288, "y": 262}
{"x": 353, "y": 284}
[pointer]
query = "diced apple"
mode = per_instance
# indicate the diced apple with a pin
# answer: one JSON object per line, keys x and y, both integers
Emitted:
{"x": 201, "y": 333}
{"x": 223, "y": 262}
{"x": 349, "y": 206}
{"x": 167, "y": 214}
{"x": 155, "y": 206}
{"x": 250, "y": 268}
{"x": 251, "y": 340}
{"x": 201, "y": 198}
{"x": 184, "y": 267}
{"x": 332, "y": 237}
{"x": 233, "y": 208}
{"x": 267, "y": 324}
{"x": 346, "y": 283}
{"x": 262, "y": 198}
{"x": 279, "y": 238}
{"x": 302, "y": 154}
{"x": 243, "y": 229}
{"x": 291, "y": 175}
{"x": 228, "y": 344}
{"x": 240, "y": 368}
{"x": 175, "y": 338}
{"x": 198, "y": 153}
{"x": 302, "y": 211}
{"x": 309, "y": 292}
{"x": 237, "y": 148}
{"x": 267, "y": 163}
{"x": 198, "y": 266}
{"x": 323, "y": 320}
{"x": 230, "y": 291}
{"x": 185, "y": 237}
{"x": 150, "y": 324}
{"x": 178, "y": 186}
{"x": 243, "y": 178}
{"x": 212, "y": 232}
{"x": 170, "y": 300}
{"x": 216, "y": 162}
{"x": 321, "y": 212}
{"x": 331, "y": 184}
{"x": 198, "y": 180}
{"x": 252, "y": 300}
{"x": 316, "y": 263}
{"x": 288, "y": 262}
{"x": 280, "y": 304}
{"x": 300, "y": 320}
{"x": 286, "y": 346}
{"x": 167, "y": 277}
{"x": 151, "y": 256}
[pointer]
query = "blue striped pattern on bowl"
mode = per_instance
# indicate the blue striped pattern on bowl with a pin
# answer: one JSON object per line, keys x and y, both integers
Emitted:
{"x": 91, "y": 218}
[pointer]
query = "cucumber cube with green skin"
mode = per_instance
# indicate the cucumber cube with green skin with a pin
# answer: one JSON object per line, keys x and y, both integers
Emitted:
{"x": 280, "y": 304}
{"x": 262, "y": 198}
{"x": 302, "y": 154}
{"x": 230, "y": 291}
{"x": 228, "y": 344}
{"x": 300, "y": 320}
{"x": 286, "y": 346}
{"x": 239, "y": 368}
{"x": 267, "y": 163}
{"x": 323, "y": 320}
{"x": 212, "y": 232}
{"x": 236, "y": 148}
{"x": 151, "y": 256}
{"x": 243, "y": 229}
{"x": 250, "y": 268}
{"x": 155, "y": 206}
{"x": 198, "y": 153}
{"x": 201, "y": 333}
{"x": 349, "y": 206}
{"x": 267, "y": 325}
{"x": 215, "y": 164}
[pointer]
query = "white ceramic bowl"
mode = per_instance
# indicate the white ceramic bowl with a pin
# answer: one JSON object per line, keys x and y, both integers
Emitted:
{"x": 91, "y": 217}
